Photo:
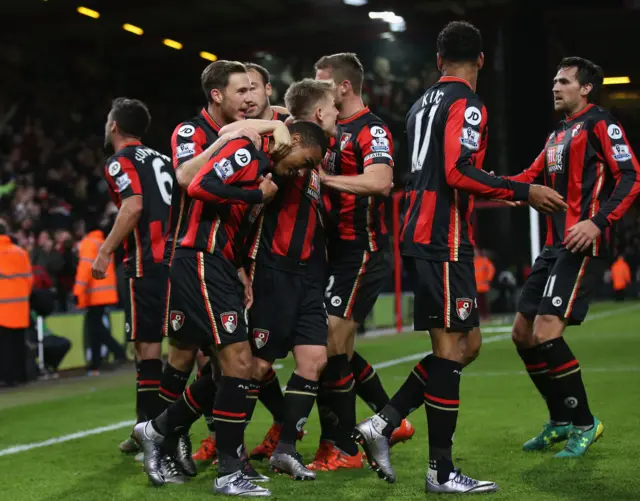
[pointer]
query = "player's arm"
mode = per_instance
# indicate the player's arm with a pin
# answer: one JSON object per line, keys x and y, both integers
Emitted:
{"x": 376, "y": 145}
{"x": 616, "y": 152}
{"x": 279, "y": 131}
{"x": 222, "y": 177}
{"x": 464, "y": 145}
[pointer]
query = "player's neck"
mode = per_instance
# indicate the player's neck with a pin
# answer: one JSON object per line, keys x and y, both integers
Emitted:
{"x": 463, "y": 72}
{"x": 581, "y": 106}
{"x": 267, "y": 114}
{"x": 350, "y": 106}
{"x": 122, "y": 142}
{"x": 215, "y": 112}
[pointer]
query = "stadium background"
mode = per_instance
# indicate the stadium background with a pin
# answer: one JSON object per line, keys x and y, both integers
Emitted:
{"x": 59, "y": 71}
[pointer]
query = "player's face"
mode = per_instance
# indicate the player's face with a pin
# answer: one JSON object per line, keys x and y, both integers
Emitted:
{"x": 298, "y": 158}
{"x": 236, "y": 98}
{"x": 327, "y": 74}
{"x": 568, "y": 94}
{"x": 109, "y": 129}
{"x": 327, "y": 115}
{"x": 260, "y": 94}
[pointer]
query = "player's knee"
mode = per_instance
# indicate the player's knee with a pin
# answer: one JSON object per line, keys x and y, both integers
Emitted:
{"x": 547, "y": 327}
{"x": 522, "y": 332}
{"x": 181, "y": 357}
{"x": 472, "y": 346}
{"x": 147, "y": 351}
{"x": 236, "y": 360}
{"x": 260, "y": 368}
{"x": 312, "y": 364}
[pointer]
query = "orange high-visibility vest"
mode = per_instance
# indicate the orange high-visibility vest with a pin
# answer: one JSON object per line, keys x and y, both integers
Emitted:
{"x": 485, "y": 271}
{"x": 620, "y": 274}
{"x": 16, "y": 281}
{"x": 88, "y": 290}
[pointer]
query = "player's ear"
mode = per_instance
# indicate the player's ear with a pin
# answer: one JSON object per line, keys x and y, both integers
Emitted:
{"x": 439, "y": 62}
{"x": 480, "y": 62}
{"x": 585, "y": 89}
{"x": 295, "y": 139}
{"x": 268, "y": 89}
{"x": 216, "y": 96}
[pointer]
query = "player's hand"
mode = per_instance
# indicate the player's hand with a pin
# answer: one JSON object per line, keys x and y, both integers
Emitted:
{"x": 508, "y": 203}
{"x": 268, "y": 188}
{"x": 546, "y": 200}
{"x": 255, "y": 138}
{"x": 581, "y": 236}
{"x": 248, "y": 289}
{"x": 100, "y": 265}
{"x": 282, "y": 139}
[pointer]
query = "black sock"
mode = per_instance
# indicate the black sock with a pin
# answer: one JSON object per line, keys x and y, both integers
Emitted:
{"x": 271, "y": 396}
{"x": 148, "y": 403}
{"x": 368, "y": 385}
{"x": 172, "y": 385}
{"x": 230, "y": 414}
{"x": 207, "y": 412}
{"x": 442, "y": 399}
{"x": 340, "y": 401}
{"x": 299, "y": 397}
{"x": 566, "y": 380}
{"x": 539, "y": 374}
{"x": 410, "y": 396}
{"x": 181, "y": 414}
{"x": 252, "y": 399}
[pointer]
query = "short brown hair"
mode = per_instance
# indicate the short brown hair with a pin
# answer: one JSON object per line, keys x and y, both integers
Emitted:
{"x": 345, "y": 66}
{"x": 302, "y": 96}
{"x": 264, "y": 73}
{"x": 216, "y": 75}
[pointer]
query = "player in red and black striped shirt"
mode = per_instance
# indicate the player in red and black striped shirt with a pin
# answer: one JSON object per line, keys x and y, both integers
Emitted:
{"x": 588, "y": 159}
{"x": 447, "y": 139}
{"x": 229, "y": 193}
{"x": 140, "y": 182}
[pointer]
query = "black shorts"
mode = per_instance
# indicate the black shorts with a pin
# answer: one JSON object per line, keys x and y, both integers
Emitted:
{"x": 561, "y": 284}
{"x": 206, "y": 304}
{"x": 445, "y": 295}
{"x": 355, "y": 279}
{"x": 288, "y": 310}
{"x": 145, "y": 299}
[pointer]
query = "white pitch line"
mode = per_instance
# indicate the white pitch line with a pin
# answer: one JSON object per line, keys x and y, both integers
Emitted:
{"x": 389, "y": 363}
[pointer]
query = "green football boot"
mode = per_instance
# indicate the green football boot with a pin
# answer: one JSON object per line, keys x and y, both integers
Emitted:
{"x": 579, "y": 441}
{"x": 550, "y": 434}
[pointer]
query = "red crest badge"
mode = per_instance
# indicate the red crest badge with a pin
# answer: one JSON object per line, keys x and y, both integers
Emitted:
{"x": 344, "y": 140}
{"x": 176, "y": 319}
{"x": 260, "y": 337}
{"x": 464, "y": 306}
{"x": 229, "y": 321}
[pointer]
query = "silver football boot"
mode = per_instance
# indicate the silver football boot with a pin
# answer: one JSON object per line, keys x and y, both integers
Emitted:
{"x": 290, "y": 464}
{"x": 457, "y": 484}
{"x": 376, "y": 446}
{"x": 236, "y": 484}
{"x": 183, "y": 455}
{"x": 250, "y": 473}
{"x": 171, "y": 471}
{"x": 151, "y": 443}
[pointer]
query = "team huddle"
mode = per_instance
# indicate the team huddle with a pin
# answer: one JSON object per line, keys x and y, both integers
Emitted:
{"x": 265, "y": 234}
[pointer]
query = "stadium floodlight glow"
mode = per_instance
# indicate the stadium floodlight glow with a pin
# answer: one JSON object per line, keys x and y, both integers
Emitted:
{"x": 172, "y": 43}
{"x": 131, "y": 28}
{"x": 356, "y": 3}
{"x": 396, "y": 23}
{"x": 85, "y": 11}
{"x": 208, "y": 56}
{"x": 616, "y": 80}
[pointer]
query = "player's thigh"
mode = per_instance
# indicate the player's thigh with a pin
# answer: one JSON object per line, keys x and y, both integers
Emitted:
{"x": 276, "y": 295}
{"x": 444, "y": 295}
{"x": 310, "y": 333}
{"x": 356, "y": 278}
{"x": 570, "y": 287}
{"x": 534, "y": 286}
{"x": 146, "y": 300}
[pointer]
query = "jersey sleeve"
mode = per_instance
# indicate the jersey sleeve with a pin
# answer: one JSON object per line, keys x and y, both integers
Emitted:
{"x": 623, "y": 164}
{"x": 187, "y": 141}
{"x": 227, "y": 176}
{"x": 123, "y": 178}
{"x": 464, "y": 149}
{"x": 376, "y": 144}
{"x": 530, "y": 174}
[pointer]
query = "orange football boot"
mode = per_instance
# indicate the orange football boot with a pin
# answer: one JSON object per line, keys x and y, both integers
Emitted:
{"x": 330, "y": 458}
{"x": 402, "y": 433}
{"x": 207, "y": 450}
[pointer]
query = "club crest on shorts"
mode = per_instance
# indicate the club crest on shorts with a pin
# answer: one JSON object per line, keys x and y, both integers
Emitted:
{"x": 229, "y": 321}
{"x": 260, "y": 337}
{"x": 463, "y": 307}
{"x": 176, "y": 319}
